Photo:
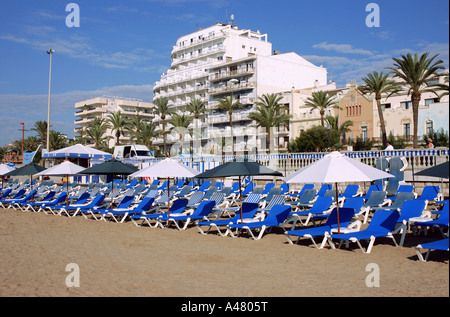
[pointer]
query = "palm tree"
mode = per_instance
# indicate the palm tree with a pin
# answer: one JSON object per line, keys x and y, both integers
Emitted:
{"x": 180, "y": 123}
{"x": 117, "y": 122}
{"x": 443, "y": 87}
{"x": 96, "y": 132}
{"x": 196, "y": 107}
{"x": 148, "y": 133}
{"x": 162, "y": 109}
{"x": 269, "y": 113}
{"x": 41, "y": 128}
{"x": 379, "y": 84}
{"x": 135, "y": 125}
{"x": 57, "y": 140}
{"x": 322, "y": 101}
{"x": 333, "y": 122}
{"x": 417, "y": 72}
{"x": 227, "y": 104}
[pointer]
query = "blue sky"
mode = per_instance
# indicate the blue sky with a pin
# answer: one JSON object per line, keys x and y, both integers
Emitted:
{"x": 122, "y": 47}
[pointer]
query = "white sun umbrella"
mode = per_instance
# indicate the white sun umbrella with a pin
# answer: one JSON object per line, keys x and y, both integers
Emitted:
{"x": 66, "y": 169}
{"x": 336, "y": 168}
{"x": 4, "y": 168}
{"x": 167, "y": 168}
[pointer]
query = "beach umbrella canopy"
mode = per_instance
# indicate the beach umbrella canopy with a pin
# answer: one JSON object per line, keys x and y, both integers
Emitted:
{"x": 110, "y": 167}
{"x": 66, "y": 169}
{"x": 167, "y": 168}
{"x": 440, "y": 170}
{"x": 3, "y": 170}
{"x": 29, "y": 169}
{"x": 63, "y": 169}
{"x": 239, "y": 168}
{"x": 78, "y": 151}
{"x": 336, "y": 168}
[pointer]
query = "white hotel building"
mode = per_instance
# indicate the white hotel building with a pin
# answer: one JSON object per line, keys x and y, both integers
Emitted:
{"x": 221, "y": 61}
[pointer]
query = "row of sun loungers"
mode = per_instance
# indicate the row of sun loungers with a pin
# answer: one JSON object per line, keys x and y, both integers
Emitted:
{"x": 212, "y": 207}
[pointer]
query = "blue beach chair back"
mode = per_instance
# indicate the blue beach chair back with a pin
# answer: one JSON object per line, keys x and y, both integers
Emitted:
{"x": 248, "y": 211}
{"x": 321, "y": 204}
{"x": 267, "y": 188}
{"x": 383, "y": 221}
{"x": 145, "y": 204}
{"x": 376, "y": 198}
{"x": 355, "y": 203}
{"x": 429, "y": 193}
{"x": 307, "y": 196}
{"x": 204, "y": 209}
{"x": 284, "y": 188}
{"x": 278, "y": 214}
{"x": 411, "y": 208}
{"x": 350, "y": 191}
{"x": 178, "y": 205}
{"x": 345, "y": 216}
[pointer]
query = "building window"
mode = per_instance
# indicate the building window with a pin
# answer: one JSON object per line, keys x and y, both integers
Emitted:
{"x": 364, "y": 134}
{"x": 407, "y": 131}
{"x": 385, "y": 106}
{"x": 430, "y": 101}
{"x": 429, "y": 127}
{"x": 406, "y": 105}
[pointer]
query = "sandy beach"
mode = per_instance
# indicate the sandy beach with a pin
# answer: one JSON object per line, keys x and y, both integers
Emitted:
{"x": 125, "y": 260}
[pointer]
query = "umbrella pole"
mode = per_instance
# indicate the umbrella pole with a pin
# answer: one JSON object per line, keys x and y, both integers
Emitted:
{"x": 240, "y": 197}
{"x": 337, "y": 208}
{"x": 67, "y": 188}
{"x": 112, "y": 191}
{"x": 168, "y": 196}
{"x": 32, "y": 196}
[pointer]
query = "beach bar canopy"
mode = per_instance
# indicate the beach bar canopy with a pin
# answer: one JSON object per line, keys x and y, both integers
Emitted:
{"x": 78, "y": 151}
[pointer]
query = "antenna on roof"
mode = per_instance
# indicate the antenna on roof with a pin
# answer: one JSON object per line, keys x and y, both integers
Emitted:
{"x": 232, "y": 19}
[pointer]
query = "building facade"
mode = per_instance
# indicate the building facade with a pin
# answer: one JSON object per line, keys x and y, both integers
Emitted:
{"x": 222, "y": 61}
{"x": 100, "y": 107}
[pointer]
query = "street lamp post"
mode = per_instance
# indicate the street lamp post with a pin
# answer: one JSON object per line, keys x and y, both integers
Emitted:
{"x": 50, "y": 52}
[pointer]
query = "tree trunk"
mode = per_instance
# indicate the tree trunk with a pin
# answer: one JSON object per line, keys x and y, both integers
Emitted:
{"x": 382, "y": 124}
{"x": 164, "y": 136}
{"x": 415, "y": 104}
{"x": 232, "y": 136}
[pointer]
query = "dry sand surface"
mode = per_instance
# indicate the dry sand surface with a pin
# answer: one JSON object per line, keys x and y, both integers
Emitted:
{"x": 125, "y": 260}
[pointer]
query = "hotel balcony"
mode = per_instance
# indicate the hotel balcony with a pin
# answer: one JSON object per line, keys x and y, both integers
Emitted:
{"x": 195, "y": 42}
{"x": 89, "y": 111}
{"x": 243, "y": 100}
{"x": 231, "y": 88}
{"x": 191, "y": 57}
{"x": 231, "y": 74}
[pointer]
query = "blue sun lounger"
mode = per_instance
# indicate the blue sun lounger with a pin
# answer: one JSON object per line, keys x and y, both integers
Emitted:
{"x": 73, "y": 210}
{"x": 321, "y": 206}
{"x": 248, "y": 212}
{"x": 94, "y": 212}
{"x": 275, "y": 218}
{"x": 119, "y": 215}
{"x": 202, "y": 212}
{"x": 441, "y": 245}
{"x": 381, "y": 225}
{"x": 345, "y": 217}
{"x": 177, "y": 207}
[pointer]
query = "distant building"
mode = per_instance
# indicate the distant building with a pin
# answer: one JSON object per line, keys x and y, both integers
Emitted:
{"x": 358, "y": 108}
{"x": 221, "y": 61}
{"x": 100, "y": 107}
{"x": 398, "y": 115}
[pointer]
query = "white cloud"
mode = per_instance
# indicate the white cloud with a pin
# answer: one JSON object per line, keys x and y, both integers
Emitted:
{"x": 80, "y": 47}
{"x": 16, "y": 108}
{"x": 341, "y": 48}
